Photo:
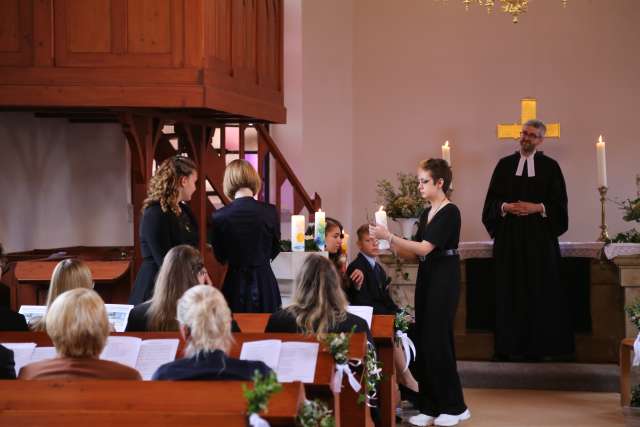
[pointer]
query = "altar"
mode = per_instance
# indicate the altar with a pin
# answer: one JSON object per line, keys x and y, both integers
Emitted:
{"x": 596, "y": 299}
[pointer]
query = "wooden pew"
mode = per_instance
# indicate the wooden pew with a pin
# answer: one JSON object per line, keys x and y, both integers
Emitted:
{"x": 383, "y": 337}
{"x": 183, "y": 403}
{"x": 626, "y": 349}
{"x": 29, "y": 281}
{"x": 347, "y": 410}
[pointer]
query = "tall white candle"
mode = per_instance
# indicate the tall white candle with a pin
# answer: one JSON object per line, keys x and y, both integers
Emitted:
{"x": 602, "y": 162}
{"x": 297, "y": 233}
{"x": 319, "y": 226}
{"x": 446, "y": 152}
{"x": 381, "y": 219}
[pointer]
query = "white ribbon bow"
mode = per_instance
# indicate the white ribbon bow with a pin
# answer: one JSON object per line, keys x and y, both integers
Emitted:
{"x": 256, "y": 420}
{"x": 341, "y": 369}
{"x": 407, "y": 346}
{"x": 636, "y": 351}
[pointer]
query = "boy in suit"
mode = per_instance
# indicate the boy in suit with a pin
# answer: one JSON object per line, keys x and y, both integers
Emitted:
{"x": 374, "y": 290}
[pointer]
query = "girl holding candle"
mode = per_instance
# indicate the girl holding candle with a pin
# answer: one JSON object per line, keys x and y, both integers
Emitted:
{"x": 436, "y": 298}
{"x": 246, "y": 236}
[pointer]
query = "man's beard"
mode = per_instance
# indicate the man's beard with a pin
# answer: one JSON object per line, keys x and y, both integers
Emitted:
{"x": 526, "y": 146}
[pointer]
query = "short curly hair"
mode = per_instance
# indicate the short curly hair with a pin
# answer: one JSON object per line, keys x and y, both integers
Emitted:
{"x": 164, "y": 184}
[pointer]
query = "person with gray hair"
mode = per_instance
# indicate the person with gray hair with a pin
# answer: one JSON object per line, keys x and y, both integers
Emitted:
{"x": 525, "y": 211}
{"x": 205, "y": 325}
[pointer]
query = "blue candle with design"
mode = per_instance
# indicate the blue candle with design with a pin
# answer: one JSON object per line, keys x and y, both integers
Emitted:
{"x": 320, "y": 226}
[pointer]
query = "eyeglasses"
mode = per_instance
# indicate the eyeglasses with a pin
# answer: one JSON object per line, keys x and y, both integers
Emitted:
{"x": 530, "y": 135}
{"x": 424, "y": 181}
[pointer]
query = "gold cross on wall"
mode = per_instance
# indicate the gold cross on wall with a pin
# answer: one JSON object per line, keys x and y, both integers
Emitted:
{"x": 527, "y": 112}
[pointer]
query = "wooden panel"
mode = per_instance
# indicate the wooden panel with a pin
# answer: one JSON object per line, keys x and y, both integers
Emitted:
{"x": 88, "y": 26}
{"x": 9, "y": 26}
{"x": 268, "y": 48}
{"x": 243, "y": 42}
{"x": 217, "y": 22}
{"x": 147, "y": 25}
{"x": 16, "y": 32}
{"x": 131, "y": 33}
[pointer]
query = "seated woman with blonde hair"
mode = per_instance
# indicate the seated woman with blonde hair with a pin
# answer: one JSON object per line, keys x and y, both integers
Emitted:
{"x": 319, "y": 304}
{"x": 68, "y": 274}
{"x": 77, "y": 324}
{"x": 205, "y": 325}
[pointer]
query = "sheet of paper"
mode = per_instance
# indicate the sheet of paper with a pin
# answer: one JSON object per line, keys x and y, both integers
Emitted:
{"x": 153, "y": 354}
{"x": 43, "y": 353}
{"x": 32, "y": 313}
{"x": 364, "y": 311}
{"x": 118, "y": 315}
{"x": 22, "y": 352}
{"x": 123, "y": 350}
{"x": 267, "y": 351}
{"x": 297, "y": 361}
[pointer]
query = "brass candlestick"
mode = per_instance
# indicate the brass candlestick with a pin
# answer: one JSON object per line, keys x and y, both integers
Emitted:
{"x": 604, "y": 236}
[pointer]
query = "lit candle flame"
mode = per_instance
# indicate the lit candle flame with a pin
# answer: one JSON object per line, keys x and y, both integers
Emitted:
{"x": 446, "y": 144}
{"x": 381, "y": 209}
{"x": 600, "y": 139}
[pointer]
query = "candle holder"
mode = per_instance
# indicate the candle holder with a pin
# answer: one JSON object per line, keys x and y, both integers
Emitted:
{"x": 604, "y": 236}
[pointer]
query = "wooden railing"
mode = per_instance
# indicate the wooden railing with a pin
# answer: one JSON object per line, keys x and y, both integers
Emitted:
{"x": 195, "y": 138}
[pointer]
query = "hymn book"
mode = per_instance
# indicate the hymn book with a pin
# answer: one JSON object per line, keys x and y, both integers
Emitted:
{"x": 291, "y": 360}
{"x": 143, "y": 355}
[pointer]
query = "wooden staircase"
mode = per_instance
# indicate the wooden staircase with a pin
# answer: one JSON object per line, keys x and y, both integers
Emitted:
{"x": 154, "y": 139}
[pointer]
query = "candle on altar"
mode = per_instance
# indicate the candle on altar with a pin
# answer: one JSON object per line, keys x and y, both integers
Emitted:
{"x": 602, "y": 162}
{"x": 381, "y": 219}
{"x": 446, "y": 152}
{"x": 297, "y": 233}
{"x": 320, "y": 226}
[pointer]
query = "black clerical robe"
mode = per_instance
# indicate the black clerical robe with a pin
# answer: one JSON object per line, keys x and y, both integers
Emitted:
{"x": 532, "y": 312}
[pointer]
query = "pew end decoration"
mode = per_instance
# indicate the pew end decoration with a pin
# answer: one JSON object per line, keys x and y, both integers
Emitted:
{"x": 338, "y": 345}
{"x": 258, "y": 397}
{"x": 372, "y": 378}
{"x": 401, "y": 325}
{"x": 314, "y": 413}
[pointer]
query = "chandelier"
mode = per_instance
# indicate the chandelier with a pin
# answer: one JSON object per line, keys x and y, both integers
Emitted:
{"x": 513, "y": 7}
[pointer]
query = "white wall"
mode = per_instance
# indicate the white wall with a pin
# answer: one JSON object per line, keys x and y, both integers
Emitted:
{"x": 425, "y": 72}
{"x": 62, "y": 184}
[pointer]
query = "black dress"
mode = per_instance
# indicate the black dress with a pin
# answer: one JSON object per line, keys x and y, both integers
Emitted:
{"x": 12, "y": 321}
{"x": 436, "y": 301}
{"x": 246, "y": 236}
{"x": 533, "y": 316}
{"x": 159, "y": 232}
{"x": 213, "y": 365}
{"x": 7, "y": 364}
{"x": 137, "y": 321}
{"x": 374, "y": 291}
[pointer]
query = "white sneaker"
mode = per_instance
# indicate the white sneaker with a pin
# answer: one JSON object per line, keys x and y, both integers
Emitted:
{"x": 446, "y": 420}
{"x": 452, "y": 420}
{"x": 421, "y": 420}
{"x": 465, "y": 415}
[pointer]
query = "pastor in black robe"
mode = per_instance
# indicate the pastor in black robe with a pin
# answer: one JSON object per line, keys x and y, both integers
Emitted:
{"x": 532, "y": 311}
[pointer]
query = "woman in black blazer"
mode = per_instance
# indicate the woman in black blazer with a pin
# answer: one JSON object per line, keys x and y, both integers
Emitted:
{"x": 167, "y": 220}
{"x": 246, "y": 236}
{"x": 318, "y": 305}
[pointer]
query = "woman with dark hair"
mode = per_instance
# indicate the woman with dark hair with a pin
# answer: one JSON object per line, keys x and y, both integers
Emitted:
{"x": 436, "y": 298}
{"x": 182, "y": 268}
{"x": 167, "y": 220}
{"x": 333, "y": 236}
